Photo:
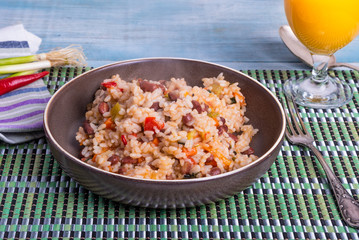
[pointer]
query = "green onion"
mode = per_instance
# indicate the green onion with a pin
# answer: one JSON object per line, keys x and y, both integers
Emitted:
{"x": 71, "y": 55}
{"x": 24, "y": 67}
{"x": 17, "y": 60}
{"x": 22, "y": 73}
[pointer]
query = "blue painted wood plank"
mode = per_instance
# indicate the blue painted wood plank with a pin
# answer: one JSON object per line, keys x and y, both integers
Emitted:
{"x": 240, "y": 31}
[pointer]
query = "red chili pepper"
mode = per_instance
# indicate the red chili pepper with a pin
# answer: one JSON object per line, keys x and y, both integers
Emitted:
{"x": 124, "y": 140}
{"x": 151, "y": 123}
{"x": 12, "y": 83}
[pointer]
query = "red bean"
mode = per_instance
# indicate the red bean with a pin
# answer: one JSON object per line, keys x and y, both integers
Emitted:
{"x": 163, "y": 82}
{"x": 210, "y": 161}
{"x": 103, "y": 108}
{"x": 249, "y": 151}
{"x": 188, "y": 120}
{"x": 173, "y": 95}
{"x": 155, "y": 106}
{"x": 114, "y": 159}
{"x": 197, "y": 106}
{"x": 128, "y": 160}
{"x": 187, "y": 166}
{"x": 215, "y": 171}
{"x": 153, "y": 167}
{"x": 88, "y": 129}
{"x": 148, "y": 86}
{"x": 163, "y": 88}
{"x": 234, "y": 137}
{"x": 223, "y": 120}
{"x": 222, "y": 128}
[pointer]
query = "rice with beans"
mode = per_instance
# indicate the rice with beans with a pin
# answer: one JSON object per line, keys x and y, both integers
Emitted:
{"x": 167, "y": 129}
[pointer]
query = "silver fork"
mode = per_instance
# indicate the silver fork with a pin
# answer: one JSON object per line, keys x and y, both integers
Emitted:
{"x": 297, "y": 133}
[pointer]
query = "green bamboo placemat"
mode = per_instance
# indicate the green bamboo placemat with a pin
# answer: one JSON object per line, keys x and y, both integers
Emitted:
{"x": 292, "y": 200}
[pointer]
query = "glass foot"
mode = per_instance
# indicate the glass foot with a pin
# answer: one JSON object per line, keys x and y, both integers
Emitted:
{"x": 330, "y": 93}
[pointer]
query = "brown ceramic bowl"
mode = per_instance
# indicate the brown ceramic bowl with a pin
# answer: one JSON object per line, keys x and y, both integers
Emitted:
{"x": 66, "y": 110}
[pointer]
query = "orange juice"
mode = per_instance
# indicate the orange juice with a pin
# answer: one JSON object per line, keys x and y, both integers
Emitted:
{"x": 323, "y": 26}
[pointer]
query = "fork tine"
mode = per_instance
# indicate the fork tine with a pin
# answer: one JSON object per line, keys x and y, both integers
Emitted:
{"x": 303, "y": 128}
{"x": 289, "y": 118}
{"x": 289, "y": 123}
{"x": 294, "y": 115}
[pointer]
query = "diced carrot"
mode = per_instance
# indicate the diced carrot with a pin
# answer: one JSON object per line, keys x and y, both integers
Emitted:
{"x": 240, "y": 98}
{"x": 225, "y": 160}
{"x": 156, "y": 141}
{"x": 191, "y": 152}
{"x": 217, "y": 122}
{"x": 109, "y": 168}
{"x": 218, "y": 155}
{"x": 109, "y": 123}
{"x": 94, "y": 157}
{"x": 205, "y": 147}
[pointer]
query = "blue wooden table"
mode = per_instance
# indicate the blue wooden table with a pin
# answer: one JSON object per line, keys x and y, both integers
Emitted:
{"x": 237, "y": 33}
{"x": 292, "y": 200}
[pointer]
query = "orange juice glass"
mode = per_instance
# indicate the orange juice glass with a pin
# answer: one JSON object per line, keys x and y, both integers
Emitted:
{"x": 323, "y": 26}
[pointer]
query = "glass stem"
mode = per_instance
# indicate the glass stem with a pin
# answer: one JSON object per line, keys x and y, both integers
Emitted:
{"x": 320, "y": 68}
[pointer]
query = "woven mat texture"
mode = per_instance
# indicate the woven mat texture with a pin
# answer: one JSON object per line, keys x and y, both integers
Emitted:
{"x": 292, "y": 200}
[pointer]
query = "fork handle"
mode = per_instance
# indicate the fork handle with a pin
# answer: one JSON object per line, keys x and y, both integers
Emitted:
{"x": 348, "y": 207}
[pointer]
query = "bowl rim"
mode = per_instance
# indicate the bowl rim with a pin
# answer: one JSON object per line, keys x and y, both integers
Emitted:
{"x": 165, "y": 181}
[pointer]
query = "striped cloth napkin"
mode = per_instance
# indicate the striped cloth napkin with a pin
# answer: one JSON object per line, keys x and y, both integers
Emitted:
{"x": 21, "y": 110}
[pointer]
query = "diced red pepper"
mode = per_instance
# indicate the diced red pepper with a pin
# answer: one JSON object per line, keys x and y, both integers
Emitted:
{"x": 124, "y": 140}
{"x": 109, "y": 84}
{"x": 151, "y": 124}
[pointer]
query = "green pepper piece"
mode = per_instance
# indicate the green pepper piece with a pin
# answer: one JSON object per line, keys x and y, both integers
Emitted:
{"x": 115, "y": 110}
